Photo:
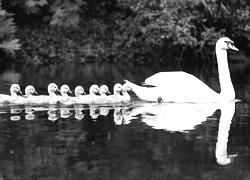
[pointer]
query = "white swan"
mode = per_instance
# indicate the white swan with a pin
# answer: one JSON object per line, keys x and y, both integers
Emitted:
{"x": 65, "y": 90}
{"x": 116, "y": 97}
{"x": 125, "y": 96}
{"x": 79, "y": 90}
{"x": 78, "y": 99}
{"x": 104, "y": 90}
{"x": 183, "y": 87}
{"x": 64, "y": 98}
{"x": 29, "y": 98}
{"x": 103, "y": 98}
{"x": 92, "y": 97}
{"x": 29, "y": 91}
{"x": 51, "y": 98}
{"x": 13, "y": 98}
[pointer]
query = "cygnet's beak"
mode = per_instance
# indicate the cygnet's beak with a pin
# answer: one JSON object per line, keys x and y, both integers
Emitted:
{"x": 58, "y": 90}
{"x": 98, "y": 92}
{"x": 70, "y": 91}
{"x": 35, "y": 92}
{"x": 108, "y": 92}
{"x": 20, "y": 92}
{"x": 84, "y": 92}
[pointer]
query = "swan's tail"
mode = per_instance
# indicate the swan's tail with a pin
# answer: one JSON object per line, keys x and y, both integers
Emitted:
{"x": 144, "y": 93}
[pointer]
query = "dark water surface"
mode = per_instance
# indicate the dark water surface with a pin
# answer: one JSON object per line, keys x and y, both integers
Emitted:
{"x": 136, "y": 141}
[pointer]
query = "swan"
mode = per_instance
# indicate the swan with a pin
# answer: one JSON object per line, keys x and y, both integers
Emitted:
{"x": 183, "y": 87}
{"x": 29, "y": 98}
{"x": 13, "y": 97}
{"x": 52, "y": 98}
{"x": 64, "y": 98}
{"x": 65, "y": 90}
{"x": 116, "y": 97}
{"x": 125, "y": 96}
{"x": 29, "y": 91}
{"x": 104, "y": 90}
{"x": 92, "y": 97}
{"x": 103, "y": 98}
{"x": 79, "y": 91}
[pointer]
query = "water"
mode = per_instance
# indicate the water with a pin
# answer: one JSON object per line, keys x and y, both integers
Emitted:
{"x": 133, "y": 141}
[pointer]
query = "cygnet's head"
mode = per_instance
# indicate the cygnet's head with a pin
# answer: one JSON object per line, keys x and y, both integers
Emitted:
{"x": 104, "y": 90}
{"x": 52, "y": 88}
{"x": 65, "y": 90}
{"x": 14, "y": 89}
{"x": 94, "y": 89}
{"x": 225, "y": 43}
{"x": 79, "y": 91}
{"x": 30, "y": 90}
{"x": 126, "y": 87}
{"x": 117, "y": 88}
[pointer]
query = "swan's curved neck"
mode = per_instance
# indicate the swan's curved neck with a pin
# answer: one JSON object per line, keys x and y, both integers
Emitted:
{"x": 227, "y": 89}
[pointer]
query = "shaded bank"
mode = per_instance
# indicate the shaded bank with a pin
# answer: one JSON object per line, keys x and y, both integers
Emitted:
{"x": 123, "y": 31}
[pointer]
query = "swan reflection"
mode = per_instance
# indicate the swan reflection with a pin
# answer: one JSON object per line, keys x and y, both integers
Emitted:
{"x": 184, "y": 117}
{"x": 104, "y": 111}
{"x": 52, "y": 113}
{"x": 29, "y": 113}
{"x": 15, "y": 111}
{"x": 78, "y": 112}
{"x": 65, "y": 112}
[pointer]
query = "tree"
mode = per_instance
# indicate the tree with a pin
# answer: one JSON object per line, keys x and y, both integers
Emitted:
{"x": 8, "y": 43}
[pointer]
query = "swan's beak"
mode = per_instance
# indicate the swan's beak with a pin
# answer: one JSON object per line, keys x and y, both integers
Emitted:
{"x": 108, "y": 92}
{"x": 84, "y": 92}
{"x": 70, "y": 91}
{"x": 35, "y": 92}
{"x": 231, "y": 46}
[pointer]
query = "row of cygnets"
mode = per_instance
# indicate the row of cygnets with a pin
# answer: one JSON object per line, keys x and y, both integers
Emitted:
{"x": 96, "y": 95}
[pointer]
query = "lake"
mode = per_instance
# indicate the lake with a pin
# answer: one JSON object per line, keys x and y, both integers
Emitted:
{"x": 138, "y": 140}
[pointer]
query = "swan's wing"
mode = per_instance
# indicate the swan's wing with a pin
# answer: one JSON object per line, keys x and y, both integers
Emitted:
{"x": 161, "y": 78}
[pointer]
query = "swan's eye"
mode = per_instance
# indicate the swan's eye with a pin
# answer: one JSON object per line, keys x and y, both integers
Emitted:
{"x": 229, "y": 43}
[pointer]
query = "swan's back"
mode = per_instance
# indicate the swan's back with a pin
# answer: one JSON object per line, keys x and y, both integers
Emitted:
{"x": 166, "y": 78}
{"x": 181, "y": 87}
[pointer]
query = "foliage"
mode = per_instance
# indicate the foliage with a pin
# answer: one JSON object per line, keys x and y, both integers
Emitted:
{"x": 8, "y": 43}
{"x": 127, "y": 30}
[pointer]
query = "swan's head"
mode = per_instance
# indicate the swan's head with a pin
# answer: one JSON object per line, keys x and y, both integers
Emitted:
{"x": 14, "y": 89}
{"x": 117, "y": 88}
{"x": 225, "y": 43}
{"x": 65, "y": 90}
{"x": 104, "y": 90}
{"x": 79, "y": 91}
{"x": 126, "y": 87}
{"x": 30, "y": 90}
{"x": 52, "y": 88}
{"x": 94, "y": 89}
